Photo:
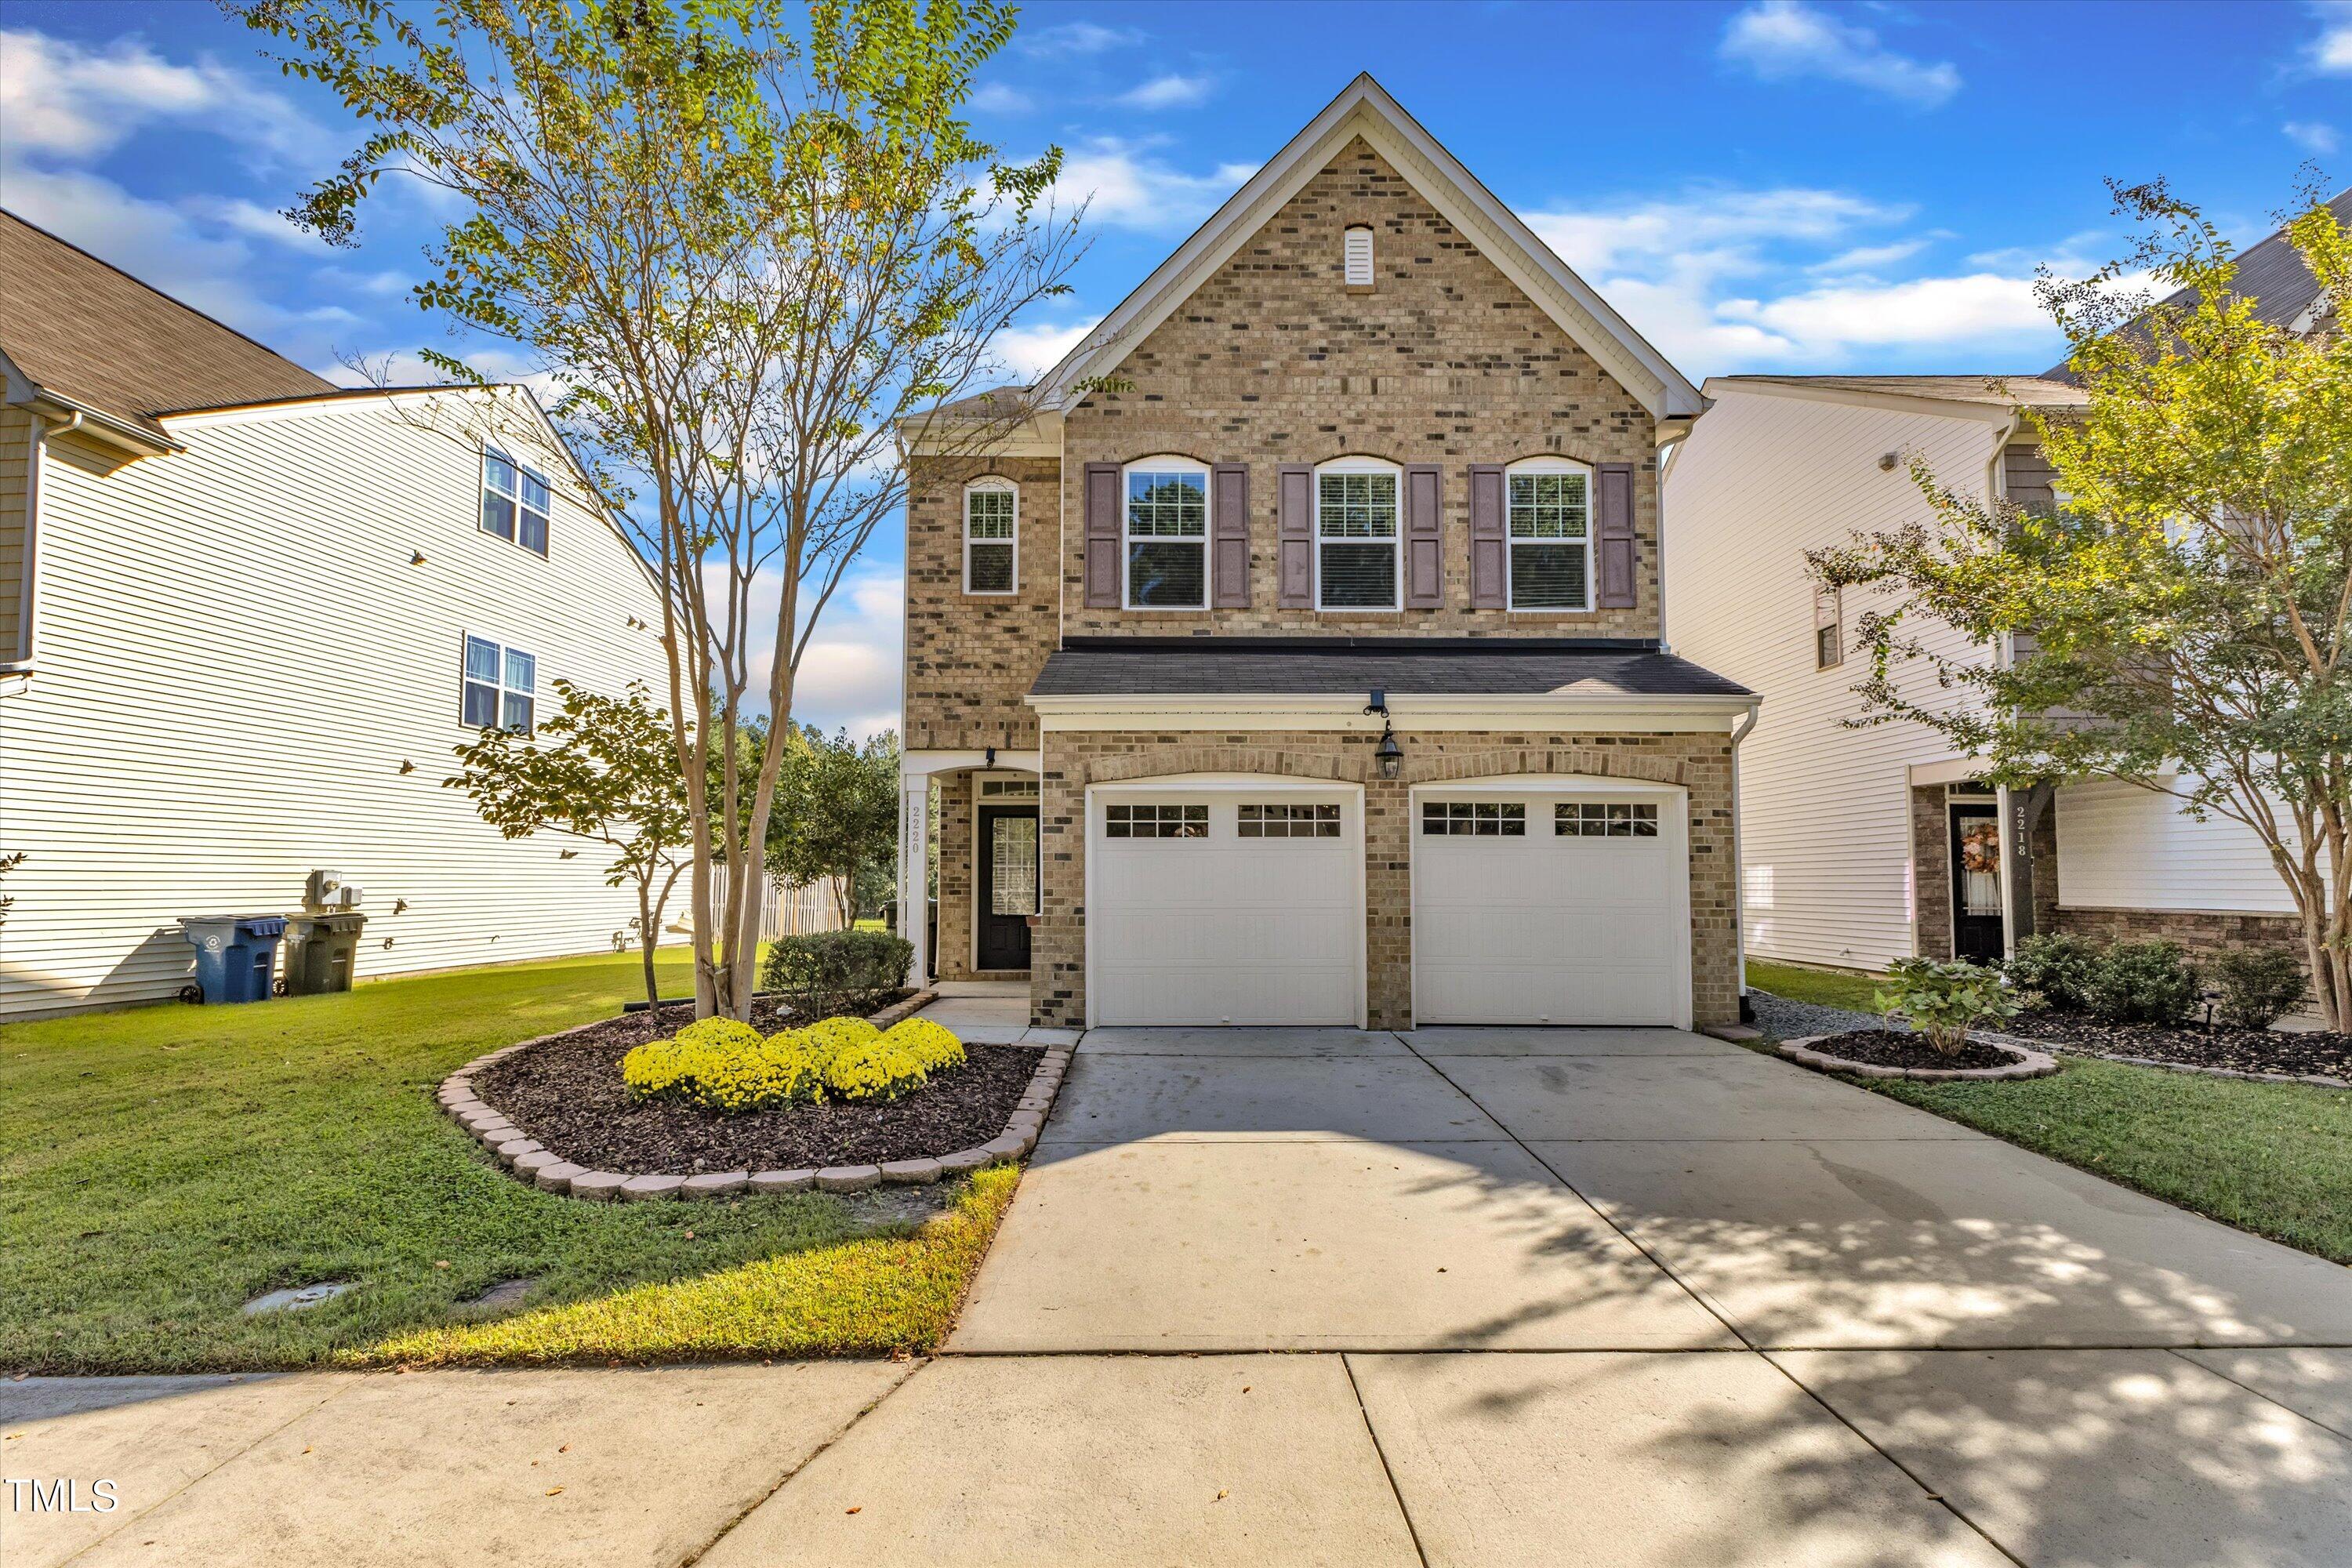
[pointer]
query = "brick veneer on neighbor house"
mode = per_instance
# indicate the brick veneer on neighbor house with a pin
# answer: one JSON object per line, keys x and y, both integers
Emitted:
{"x": 1075, "y": 759}
{"x": 1444, "y": 360}
{"x": 971, "y": 657}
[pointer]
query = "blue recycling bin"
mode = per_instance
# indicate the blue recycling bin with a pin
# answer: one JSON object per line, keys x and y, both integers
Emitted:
{"x": 235, "y": 954}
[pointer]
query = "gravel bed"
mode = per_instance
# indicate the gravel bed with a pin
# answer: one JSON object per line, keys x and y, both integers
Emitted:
{"x": 1785, "y": 1020}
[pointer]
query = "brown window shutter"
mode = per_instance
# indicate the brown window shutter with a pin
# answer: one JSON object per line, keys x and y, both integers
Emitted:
{"x": 1295, "y": 495}
{"x": 1614, "y": 508}
{"x": 1229, "y": 536}
{"x": 1488, "y": 588}
{"x": 1103, "y": 531}
{"x": 1424, "y": 538}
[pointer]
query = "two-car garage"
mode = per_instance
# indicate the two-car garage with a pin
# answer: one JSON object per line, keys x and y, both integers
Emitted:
{"x": 1235, "y": 900}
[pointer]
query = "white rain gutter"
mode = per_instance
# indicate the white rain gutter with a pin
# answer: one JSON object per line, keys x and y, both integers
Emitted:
{"x": 1739, "y": 872}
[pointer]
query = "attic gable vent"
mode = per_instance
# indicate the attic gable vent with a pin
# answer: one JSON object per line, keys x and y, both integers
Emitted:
{"x": 1360, "y": 257}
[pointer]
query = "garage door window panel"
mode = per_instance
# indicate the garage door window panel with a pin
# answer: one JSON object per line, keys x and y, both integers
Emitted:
{"x": 1474, "y": 819}
{"x": 1288, "y": 821}
{"x": 1156, "y": 821}
{"x": 1604, "y": 819}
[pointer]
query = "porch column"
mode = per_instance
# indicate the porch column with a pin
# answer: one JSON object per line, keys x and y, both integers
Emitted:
{"x": 914, "y": 866}
{"x": 2020, "y": 814}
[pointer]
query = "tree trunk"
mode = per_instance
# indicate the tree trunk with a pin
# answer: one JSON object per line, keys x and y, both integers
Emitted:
{"x": 648, "y": 938}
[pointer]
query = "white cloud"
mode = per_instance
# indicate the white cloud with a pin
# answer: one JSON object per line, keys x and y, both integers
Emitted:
{"x": 1079, "y": 38}
{"x": 2312, "y": 136}
{"x": 1868, "y": 257}
{"x": 995, "y": 98}
{"x": 1127, "y": 187}
{"x": 851, "y": 673}
{"x": 1784, "y": 40}
{"x": 60, "y": 98}
{"x": 253, "y": 218}
{"x": 2331, "y": 52}
{"x": 1168, "y": 92}
{"x": 1975, "y": 309}
{"x": 1728, "y": 221}
{"x": 1029, "y": 352}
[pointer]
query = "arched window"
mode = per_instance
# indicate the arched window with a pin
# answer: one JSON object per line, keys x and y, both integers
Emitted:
{"x": 991, "y": 536}
{"x": 1550, "y": 532}
{"x": 1167, "y": 528}
{"x": 1356, "y": 502}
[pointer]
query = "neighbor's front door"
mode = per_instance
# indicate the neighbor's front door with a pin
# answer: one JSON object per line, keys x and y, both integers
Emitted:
{"x": 1007, "y": 894}
{"x": 1976, "y": 884}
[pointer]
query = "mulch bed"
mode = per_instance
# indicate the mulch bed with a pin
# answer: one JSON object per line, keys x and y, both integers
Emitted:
{"x": 569, "y": 1093}
{"x": 2296, "y": 1055}
{"x": 1887, "y": 1048}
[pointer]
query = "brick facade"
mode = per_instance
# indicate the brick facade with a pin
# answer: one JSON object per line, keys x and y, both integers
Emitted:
{"x": 971, "y": 658}
{"x": 1273, "y": 360}
{"x": 1931, "y": 873}
{"x": 1700, "y": 763}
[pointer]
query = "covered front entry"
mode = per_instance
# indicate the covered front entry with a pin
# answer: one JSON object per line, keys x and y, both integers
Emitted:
{"x": 1225, "y": 901}
{"x": 1560, "y": 900}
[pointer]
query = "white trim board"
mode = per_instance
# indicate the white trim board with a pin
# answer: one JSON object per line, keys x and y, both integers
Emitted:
{"x": 1365, "y": 109}
{"x": 1603, "y": 712}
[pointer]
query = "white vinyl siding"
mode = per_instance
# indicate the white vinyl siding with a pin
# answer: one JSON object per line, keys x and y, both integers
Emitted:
{"x": 238, "y": 657}
{"x": 2122, "y": 847}
{"x": 1824, "y": 811}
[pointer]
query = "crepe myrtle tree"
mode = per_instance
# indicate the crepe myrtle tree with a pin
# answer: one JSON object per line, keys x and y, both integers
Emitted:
{"x": 2179, "y": 622}
{"x": 601, "y": 769}
{"x": 745, "y": 239}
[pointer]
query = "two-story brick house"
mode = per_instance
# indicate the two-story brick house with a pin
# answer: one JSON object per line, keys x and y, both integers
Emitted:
{"x": 1363, "y": 443}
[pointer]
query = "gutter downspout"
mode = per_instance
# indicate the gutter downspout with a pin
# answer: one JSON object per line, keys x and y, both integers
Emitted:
{"x": 1738, "y": 872}
{"x": 2005, "y": 812}
{"x": 19, "y": 664}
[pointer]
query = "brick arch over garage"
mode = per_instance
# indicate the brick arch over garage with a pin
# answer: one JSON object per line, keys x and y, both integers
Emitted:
{"x": 1588, "y": 761}
{"x": 1262, "y": 761}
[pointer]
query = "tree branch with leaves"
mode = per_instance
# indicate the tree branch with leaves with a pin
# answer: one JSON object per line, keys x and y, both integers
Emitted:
{"x": 2180, "y": 622}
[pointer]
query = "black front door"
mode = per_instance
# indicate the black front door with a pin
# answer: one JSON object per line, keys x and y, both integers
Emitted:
{"x": 1007, "y": 894}
{"x": 1975, "y": 883}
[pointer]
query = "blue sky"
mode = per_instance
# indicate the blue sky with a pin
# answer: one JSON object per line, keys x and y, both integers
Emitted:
{"x": 1758, "y": 184}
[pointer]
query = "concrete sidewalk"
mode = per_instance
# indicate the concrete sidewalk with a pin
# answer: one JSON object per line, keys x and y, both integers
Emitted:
{"x": 1621, "y": 1297}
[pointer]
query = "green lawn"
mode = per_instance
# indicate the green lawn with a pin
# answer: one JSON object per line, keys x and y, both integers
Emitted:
{"x": 2274, "y": 1159}
{"x": 1824, "y": 987}
{"x": 158, "y": 1167}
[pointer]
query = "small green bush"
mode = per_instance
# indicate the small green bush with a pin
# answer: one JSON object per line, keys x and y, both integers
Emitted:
{"x": 2058, "y": 969}
{"x": 2143, "y": 982}
{"x": 1945, "y": 1001}
{"x": 2259, "y": 985}
{"x": 837, "y": 971}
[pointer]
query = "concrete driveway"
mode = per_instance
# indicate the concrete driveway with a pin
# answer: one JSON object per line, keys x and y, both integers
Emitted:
{"x": 1459, "y": 1297}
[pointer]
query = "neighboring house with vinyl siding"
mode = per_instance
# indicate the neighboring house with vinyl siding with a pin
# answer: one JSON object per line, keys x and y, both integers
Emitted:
{"x": 250, "y": 615}
{"x": 1859, "y": 845}
{"x": 1362, "y": 442}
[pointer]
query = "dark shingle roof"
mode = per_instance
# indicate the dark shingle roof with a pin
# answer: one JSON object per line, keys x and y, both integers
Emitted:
{"x": 2272, "y": 272}
{"x": 82, "y": 330}
{"x": 1332, "y": 666}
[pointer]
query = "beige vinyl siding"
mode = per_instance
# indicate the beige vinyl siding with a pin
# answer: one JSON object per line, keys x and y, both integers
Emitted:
{"x": 237, "y": 657}
{"x": 1825, "y": 848}
{"x": 15, "y": 490}
{"x": 2122, "y": 847}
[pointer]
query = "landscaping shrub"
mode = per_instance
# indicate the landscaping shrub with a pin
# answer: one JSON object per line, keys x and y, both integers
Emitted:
{"x": 878, "y": 1068}
{"x": 2259, "y": 985}
{"x": 2143, "y": 982}
{"x": 1945, "y": 1001}
{"x": 2058, "y": 969}
{"x": 933, "y": 1046}
{"x": 837, "y": 971}
{"x": 828, "y": 1038}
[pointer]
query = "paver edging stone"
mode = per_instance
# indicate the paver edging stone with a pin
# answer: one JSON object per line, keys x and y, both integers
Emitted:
{"x": 533, "y": 1165}
{"x": 2030, "y": 1063}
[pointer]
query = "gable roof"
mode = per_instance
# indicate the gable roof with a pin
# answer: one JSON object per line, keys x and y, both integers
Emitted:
{"x": 1365, "y": 109}
{"x": 92, "y": 336}
{"x": 1998, "y": 392}
{"x": 2272, "y": 272}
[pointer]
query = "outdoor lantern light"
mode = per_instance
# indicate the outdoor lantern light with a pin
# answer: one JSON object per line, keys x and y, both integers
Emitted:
{"x": 1387, "y": 753}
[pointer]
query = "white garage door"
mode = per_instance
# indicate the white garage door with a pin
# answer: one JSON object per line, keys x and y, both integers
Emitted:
{"x": 1550, "y": 906}
{"x": 1225, "y": 905}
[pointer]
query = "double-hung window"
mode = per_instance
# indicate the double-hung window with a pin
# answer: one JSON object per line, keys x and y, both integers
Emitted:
{"x": 499, "y": 687}
{"x": 1356, "y": 536}
{"x": 1551, "y": 530}
{"x": 515, "y": 501}
{"x": 1167, "y": 534}
{"x": 991, "y": 517}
